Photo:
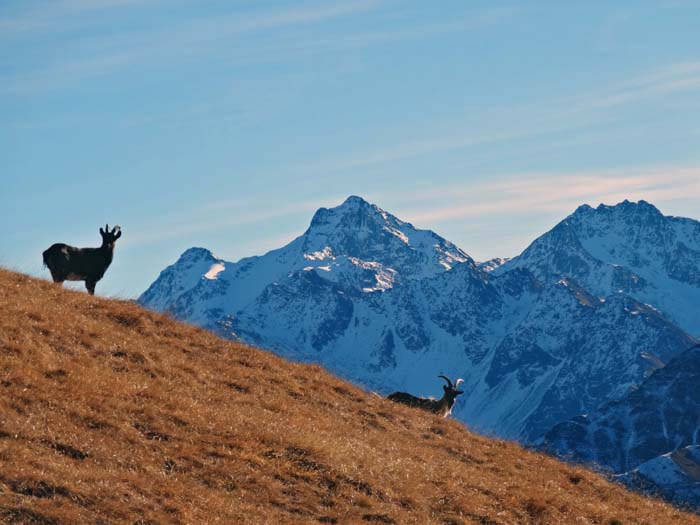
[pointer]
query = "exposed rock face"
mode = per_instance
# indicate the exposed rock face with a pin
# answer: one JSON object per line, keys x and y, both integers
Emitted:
{"x": 651, "y": 435}
{"x": 661, "y": 415}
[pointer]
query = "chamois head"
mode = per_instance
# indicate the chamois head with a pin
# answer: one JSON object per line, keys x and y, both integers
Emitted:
{"x": 110, "y": 237}
{"x": 451, "y": 391}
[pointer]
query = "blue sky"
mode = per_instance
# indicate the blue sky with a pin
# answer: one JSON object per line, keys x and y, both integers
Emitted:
{"x": 227, "y": 124}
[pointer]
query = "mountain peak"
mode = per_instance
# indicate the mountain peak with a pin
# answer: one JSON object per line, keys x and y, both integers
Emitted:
{"x": 627, "y": 206}
{"x": 354, "y": 215}
{"x": 624, "y": 207}
{"x": 359, "y": 229}
{"x": 185, "y": 273}
{"x": 196, "y": 255}
{"x": 355, "y": 204}
{"x": 636, "y": 247}
{"x": 355, "y": 200}
{"x": 584, "y": 208}
{"x": 627, "y": 219}
{"x": 352, "y": 206}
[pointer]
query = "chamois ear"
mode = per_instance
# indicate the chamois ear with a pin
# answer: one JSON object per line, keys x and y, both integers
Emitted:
{"x": 119, "y": 234}
{"x": 102, "y": 232}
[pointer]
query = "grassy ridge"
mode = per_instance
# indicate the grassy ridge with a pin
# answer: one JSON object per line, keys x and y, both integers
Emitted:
{"x": 113, "y": 414}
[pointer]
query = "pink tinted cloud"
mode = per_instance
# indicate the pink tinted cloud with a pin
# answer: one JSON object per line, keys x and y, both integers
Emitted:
{"x": 526, "y": 193}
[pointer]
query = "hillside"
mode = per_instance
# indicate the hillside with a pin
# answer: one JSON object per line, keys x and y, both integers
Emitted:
{"x": 113, "y": 414}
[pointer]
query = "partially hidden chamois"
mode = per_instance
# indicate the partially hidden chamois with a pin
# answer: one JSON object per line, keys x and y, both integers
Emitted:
{"x": 68, "y": 263}
{"x": 442, "y": 407}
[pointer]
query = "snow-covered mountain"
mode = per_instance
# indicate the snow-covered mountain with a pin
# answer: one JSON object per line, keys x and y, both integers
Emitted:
{"x": 539, "y": 339}
{"x": 652, "y": 434}
{"x": 356, "y": 245}
{"x": 571, "y": 352}
{"x": 630, "y": 248}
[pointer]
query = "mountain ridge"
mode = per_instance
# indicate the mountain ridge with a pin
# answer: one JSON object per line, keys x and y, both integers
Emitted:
{"x": 630, "y": 248}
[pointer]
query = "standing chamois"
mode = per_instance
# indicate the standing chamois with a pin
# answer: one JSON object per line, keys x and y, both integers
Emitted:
{"x": 68, "y": 263}
{"x": 442, "y": 407}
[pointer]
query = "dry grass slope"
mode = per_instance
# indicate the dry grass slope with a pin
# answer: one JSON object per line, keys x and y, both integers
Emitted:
{"x": 112, "y": 414}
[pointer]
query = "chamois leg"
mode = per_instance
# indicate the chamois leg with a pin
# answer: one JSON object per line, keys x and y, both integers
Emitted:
{"x": 57, "y": 278}
{"x": 90, "y": 285}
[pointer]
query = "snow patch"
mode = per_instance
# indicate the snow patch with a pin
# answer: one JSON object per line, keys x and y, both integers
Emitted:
{"x": 326, "y": 253}
{"x": 215, "y": 270}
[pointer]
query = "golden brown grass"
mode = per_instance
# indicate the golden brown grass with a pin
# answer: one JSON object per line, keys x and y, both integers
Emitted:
{"x": 112, "y": 414}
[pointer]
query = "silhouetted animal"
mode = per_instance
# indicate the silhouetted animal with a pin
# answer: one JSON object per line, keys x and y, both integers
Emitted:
{"x": 441, "y": 407}
{"x": 68, "y": 263}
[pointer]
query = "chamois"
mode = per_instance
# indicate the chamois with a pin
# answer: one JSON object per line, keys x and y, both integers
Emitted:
{"x": 68, "y": 263}
{"x": 442, "y": 407}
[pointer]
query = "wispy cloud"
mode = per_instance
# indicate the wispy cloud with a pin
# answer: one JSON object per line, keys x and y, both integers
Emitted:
{"x": 161, "y": 43}
{"x": 456, "y": 207}
{"x": 304, "y": 15}
{"x": 682, "y": 76}
{"x": 420, "y": 147}
{"x": 529, "y": 121}
{"x": 522, "y": 194}
{"x": 220, "y": 37}
{"x": 50, "y": 15}
{"x": 56, "y": 13}
{"x": 226, "y": 214}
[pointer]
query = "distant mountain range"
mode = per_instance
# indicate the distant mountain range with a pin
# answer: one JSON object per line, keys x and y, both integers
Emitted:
{"x": 580, "y": 320}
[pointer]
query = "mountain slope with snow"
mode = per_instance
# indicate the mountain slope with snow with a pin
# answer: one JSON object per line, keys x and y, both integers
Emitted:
{"x": 579, "y": 350}
{"x": 652, "y": 434}
{"x": 630, "y": 248}
{"x": 675, "y": 476}
{"x": 659, "y": 416}
{"x": 391, "y": 306}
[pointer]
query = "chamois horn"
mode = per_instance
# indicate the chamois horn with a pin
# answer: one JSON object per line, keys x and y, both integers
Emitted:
{"x": 449, "y": 383}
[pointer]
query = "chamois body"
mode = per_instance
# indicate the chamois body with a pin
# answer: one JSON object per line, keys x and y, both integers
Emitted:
{"x": 68, "y": 263}
{"x": 442, "y": 407}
